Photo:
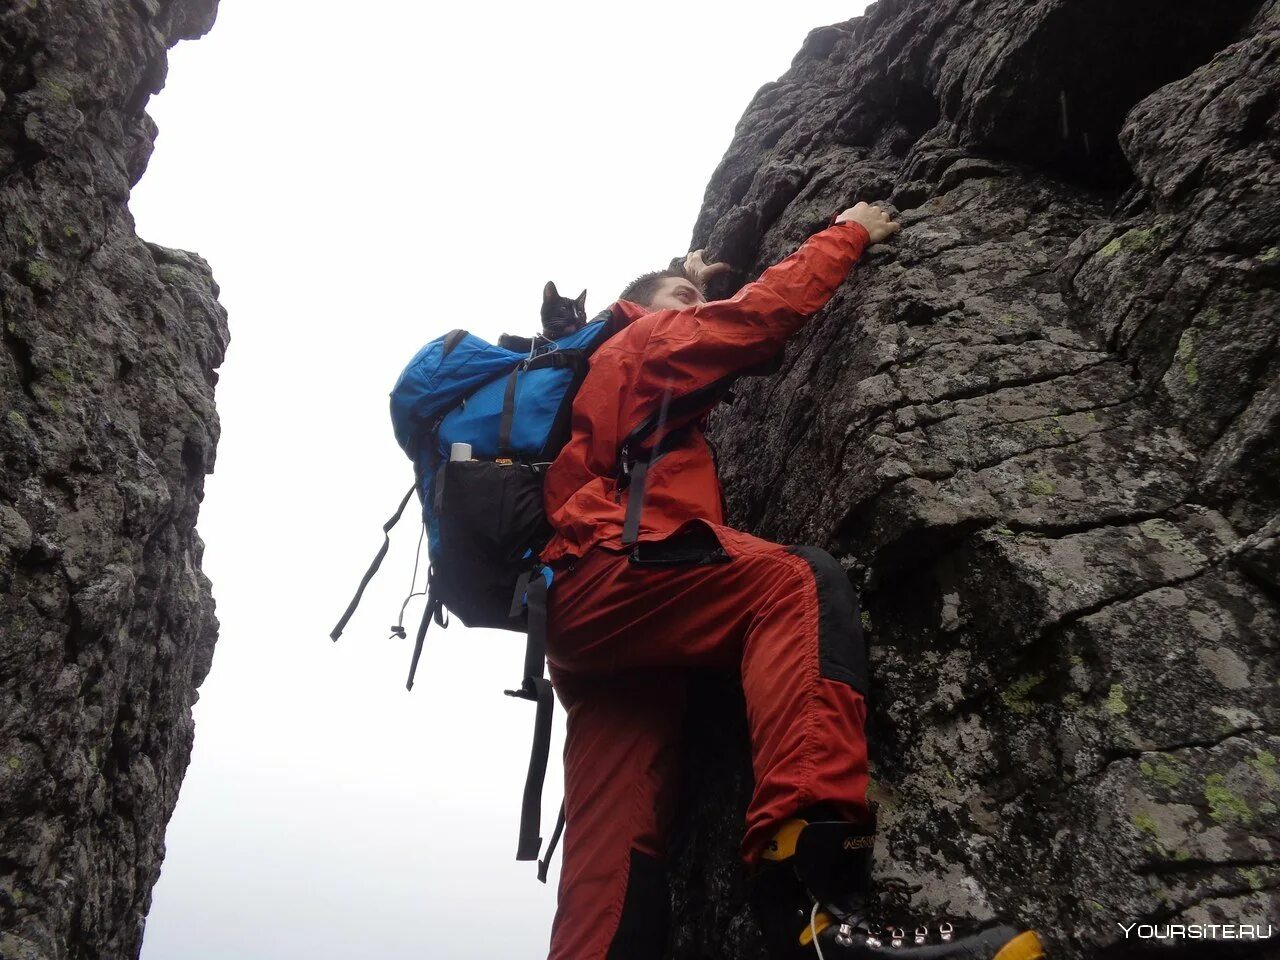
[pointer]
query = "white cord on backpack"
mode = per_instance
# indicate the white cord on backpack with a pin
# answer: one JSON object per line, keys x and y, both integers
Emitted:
{"x": 813, "y": 929}
{"x": 398, "y": 629}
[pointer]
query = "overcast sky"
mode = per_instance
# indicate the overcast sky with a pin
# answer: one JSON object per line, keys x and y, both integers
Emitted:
{"x": 364, "y": 177}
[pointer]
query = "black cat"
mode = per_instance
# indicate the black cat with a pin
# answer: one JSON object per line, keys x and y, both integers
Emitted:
{"x": 561, "y": 316}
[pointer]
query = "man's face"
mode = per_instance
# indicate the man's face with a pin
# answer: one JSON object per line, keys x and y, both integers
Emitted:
{"x": 675, "y": 293}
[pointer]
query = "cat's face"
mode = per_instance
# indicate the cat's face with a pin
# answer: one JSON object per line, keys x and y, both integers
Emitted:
{"x": 562, "y": 316}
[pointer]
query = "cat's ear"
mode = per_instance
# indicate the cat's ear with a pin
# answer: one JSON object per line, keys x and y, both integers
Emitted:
{"x": 582, "y": 301}
{"x": 549, "y": 292}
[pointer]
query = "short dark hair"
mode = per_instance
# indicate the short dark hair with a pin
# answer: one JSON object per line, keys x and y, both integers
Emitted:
{"x": 646, "y": 285}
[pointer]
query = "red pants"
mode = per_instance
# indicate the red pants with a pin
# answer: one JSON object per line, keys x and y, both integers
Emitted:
{"x": 621, "y": 637}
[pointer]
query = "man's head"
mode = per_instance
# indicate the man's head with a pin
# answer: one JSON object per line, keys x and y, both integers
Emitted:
{"x": 670, "y": 289}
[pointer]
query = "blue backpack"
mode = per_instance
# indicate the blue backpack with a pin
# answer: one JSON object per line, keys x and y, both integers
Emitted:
{"x": 483, "y": 516}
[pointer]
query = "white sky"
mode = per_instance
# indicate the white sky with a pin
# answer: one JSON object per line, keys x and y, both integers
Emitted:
{"x": 364, "y": 177}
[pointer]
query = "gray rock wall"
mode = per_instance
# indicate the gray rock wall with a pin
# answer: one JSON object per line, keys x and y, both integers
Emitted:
{"x": 1041, "y": 429}
{"x": 107, "y": 429}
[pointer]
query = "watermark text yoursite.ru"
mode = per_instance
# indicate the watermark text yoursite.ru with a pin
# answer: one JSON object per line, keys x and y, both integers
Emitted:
{"x": 1196, "y": 931}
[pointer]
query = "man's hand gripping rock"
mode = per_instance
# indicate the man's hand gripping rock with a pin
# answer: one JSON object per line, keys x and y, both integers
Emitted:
{"x": 874, "y": 219}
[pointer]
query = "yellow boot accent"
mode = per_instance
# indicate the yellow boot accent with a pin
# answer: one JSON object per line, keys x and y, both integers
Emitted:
{"x": 820, "y": 922}
{"x": 1025, "y": 946}
{"x": 783, "y": 844}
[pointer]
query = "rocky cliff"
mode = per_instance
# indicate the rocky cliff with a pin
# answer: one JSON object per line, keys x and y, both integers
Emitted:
{"x": 1041, "y": 430}
{"x": 107, "y": 429}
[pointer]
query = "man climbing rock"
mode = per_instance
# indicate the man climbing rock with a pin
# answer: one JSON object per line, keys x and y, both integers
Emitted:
{"x": 650, "y": 583}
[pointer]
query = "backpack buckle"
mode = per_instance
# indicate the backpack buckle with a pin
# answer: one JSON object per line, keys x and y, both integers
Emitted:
{"x": 527, "y": 691}
{"x": 624, "y": 468}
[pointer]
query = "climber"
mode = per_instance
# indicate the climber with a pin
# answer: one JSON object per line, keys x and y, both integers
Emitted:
{"x": 649, "y": 582}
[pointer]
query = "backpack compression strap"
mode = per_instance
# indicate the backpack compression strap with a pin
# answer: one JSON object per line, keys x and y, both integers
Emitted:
{"x": 336, "y": 632}
{"x": 537, "y": 688}
{"x": 434, "y": 609}
{"x": 545, "y": 863}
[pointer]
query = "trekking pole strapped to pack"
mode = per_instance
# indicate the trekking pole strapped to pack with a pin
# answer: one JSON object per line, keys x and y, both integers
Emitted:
{"x": 484, "y": 517}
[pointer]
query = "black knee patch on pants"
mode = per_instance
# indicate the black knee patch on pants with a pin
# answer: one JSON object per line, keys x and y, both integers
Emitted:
{"x": 646, "y": 912}
{"x": 842, "y": 651}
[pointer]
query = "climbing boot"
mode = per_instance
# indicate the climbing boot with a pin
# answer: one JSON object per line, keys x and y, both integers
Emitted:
{"x": 813, "y": 899}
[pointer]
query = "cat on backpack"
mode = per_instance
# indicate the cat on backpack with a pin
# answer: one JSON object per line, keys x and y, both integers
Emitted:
{"x": 561, "y": 316}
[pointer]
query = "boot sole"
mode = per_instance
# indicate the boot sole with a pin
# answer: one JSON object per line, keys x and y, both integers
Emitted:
{"x": 1025, "y": 946}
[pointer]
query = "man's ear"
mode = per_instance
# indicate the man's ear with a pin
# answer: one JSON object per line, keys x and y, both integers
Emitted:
{"x": 549, "y": 292}
{"x": 582, "y": 300}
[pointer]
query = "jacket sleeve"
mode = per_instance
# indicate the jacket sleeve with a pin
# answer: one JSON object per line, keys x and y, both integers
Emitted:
{"x": 691, "y": 355}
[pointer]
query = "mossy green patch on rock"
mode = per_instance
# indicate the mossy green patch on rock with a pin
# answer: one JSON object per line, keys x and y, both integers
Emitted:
{"x": 1186, "y": 356}
{"x": 1271, "y": 253}
{"x": 39, "y": 272}
{"x": 173, "y": 276}
{"x": 1165, "y": 771}
{"x": 62, "y": 375}
{"x": 1132, "y": 240}
{"x": 1015, "y": 695}
{"x": 16, "y": 418}
{"x": 1040, "y": 486}
{"x": 1115, "y": 703}
{"x": 1224, "y": 803}
{"x": 1265, "y": 763}
{"x": 56, "y": 90}
{"x": 1253, "y": 876}
{"x": 1146, "y": 823}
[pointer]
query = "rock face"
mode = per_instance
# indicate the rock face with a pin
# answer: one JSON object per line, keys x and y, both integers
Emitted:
{"x": 1041, "y": 429}
{"x": 107, "y": 429}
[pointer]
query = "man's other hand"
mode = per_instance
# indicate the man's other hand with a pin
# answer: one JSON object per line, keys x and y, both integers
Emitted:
{"x": 700, "y": 272}
{"x": 874, "y": 219}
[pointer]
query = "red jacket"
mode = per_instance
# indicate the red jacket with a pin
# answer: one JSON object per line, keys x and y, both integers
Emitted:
{"x": 685, "y": 359}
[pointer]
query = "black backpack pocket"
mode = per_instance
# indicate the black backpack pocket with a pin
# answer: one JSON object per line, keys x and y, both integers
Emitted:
{"x": 492, "y": 524}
